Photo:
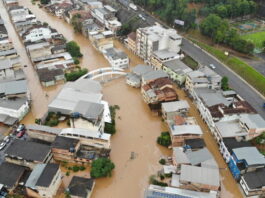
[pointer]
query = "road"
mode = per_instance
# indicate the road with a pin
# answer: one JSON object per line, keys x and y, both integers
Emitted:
{"x": 235, "y": 82}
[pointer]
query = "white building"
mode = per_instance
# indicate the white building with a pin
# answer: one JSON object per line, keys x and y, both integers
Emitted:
{"x": 154, "y": 39}
{"x": 116, "y": 58}
{"x": 37, "y": 33}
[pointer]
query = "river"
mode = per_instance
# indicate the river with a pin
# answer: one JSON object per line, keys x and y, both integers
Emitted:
{"x": 137, "y": 128}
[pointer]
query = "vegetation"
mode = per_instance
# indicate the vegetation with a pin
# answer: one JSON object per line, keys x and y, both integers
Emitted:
{"x": 164, "y": 139}
{"x": 74, "y": 75}
{"x": 67, "y": 173}
{"x": 253, "y": 77}
{"x": 227, "y": 8}
{"x": 44, "y": 2}
{"x": 190, "y": 62}
{"x": 224, "y": 84}
{"x": 101, "y": 167}
{"x": 162, "y": 161}
{"x": 37, "y": 121}
{"x": 219, "y": 31}
{"x": 260, "y": 139}
{"x": 154, "y": 181}
{"x": 76, "y": 22}
{"x": 128, "y": 27}
{"x": 258, "y": 38}
{"x": 73, "y": 48}
{"x": 52, "y": 119}
{"x": 170, "y": 10}
{"x": 111, "y": 127}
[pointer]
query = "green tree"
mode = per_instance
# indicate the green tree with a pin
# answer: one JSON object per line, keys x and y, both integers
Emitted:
{"x": 224, "y": 84}
{"x": 77, "y": 23}
{"x": 164, "y": 139}
{"x": 101, "y": 167}
{"x": 73, "y": 48}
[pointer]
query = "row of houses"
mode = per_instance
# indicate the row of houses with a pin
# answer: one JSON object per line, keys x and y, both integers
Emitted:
{"x": 14, "y": 93}
{"x": 44, "y": 45}
{"x": 97, "y": 22}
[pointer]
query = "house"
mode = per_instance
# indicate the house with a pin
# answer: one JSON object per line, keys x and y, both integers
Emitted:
{"x": 187, "y": 129}
{"x": 13, "y": 110}
{"x": 63, "y": 148}
{"x": 176, "y": 70}
{"x": 81, "y": 187}
{"x": 204, "y": 77}
{"x": 253, "y": 183}
{"x": 154, "y": 191}
{"x": 227, "y": 145}
{"x": 18, "y": 13}
{"x": 5, "y": 44}
{"x": 38, "y": 32}
{"x": 101, "y": 40}
{"x": 116, "y": 58}
{"x": 134, "y": 78}
{"x": 130, "y": 42}
{"x": 200, "y": 178}
{"x": 10, "y": 175}
{"x": 27, "y": 153}
{"x": 14, "y": 89}
{"x": 44, "y": 181}
{"x": 10, "y": 3}
{"x": 57, "y": 49}
{"x": 3, "y": 31}
{"x": 40, "y": 49}
{"x": 160, "y": 57}
{"x": 194, "y": 144}
{"x": 153, "y": 75}
{"x": 157, "y": 38}
{"x": 49, "y": 76}
{"x": 82, "y": 100}
{"x": 171, "y": 109}
{"x": 10, "y": 70}
{"x": 90, "y": 27}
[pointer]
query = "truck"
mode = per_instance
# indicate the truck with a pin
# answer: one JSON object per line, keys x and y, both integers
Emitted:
{"x": 133, "y": 6}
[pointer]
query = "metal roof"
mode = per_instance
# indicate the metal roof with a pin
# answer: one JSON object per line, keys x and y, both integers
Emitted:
{"x": 199, "y": 156}
{"x": 44, "y": 128}
{"x": 34, "y": 176}
{"x": 250, "y": 155}
{"x": 253, "y": 121}
{"x": 175, "y": 106}
{"x": 185, "y": 129}
{"x": 154, "y": 75}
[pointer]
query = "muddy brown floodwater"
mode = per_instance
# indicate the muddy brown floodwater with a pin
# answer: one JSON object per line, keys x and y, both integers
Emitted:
{"x": 137, "y": 128}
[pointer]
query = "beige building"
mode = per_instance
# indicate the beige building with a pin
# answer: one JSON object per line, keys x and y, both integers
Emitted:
{"x": 130, "y": 42}
{"x": 101, "y": 40}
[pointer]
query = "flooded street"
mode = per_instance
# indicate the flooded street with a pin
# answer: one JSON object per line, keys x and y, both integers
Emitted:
{"x": 137, "y": 128}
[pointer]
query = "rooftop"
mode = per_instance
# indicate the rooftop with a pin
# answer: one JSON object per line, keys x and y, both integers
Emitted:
{"x": 250, "y": 155}
{"x": 197, "y": 143}
{"x": 115, "y": 54}
{"x": 165, "y": 54}
{"x": 231, "y": 128}
{"x": 44, "y": 128}
{"x": 10, "y": 174}
{"x": 80, "y": 186}
{"x": 185, "y": 129}
{"x": 200, "y": 175}
{"x": 47, "y": 75}
{"x": 177, "y": 66}
{"x": 14, "y": 104}
{"x": 141, "y": 69}
{"x": 47, "y": 175}
{"x": 255, "y": 179}
{"x": 30, "y": 151}
{"x": 153, "y": 75}
{"x": 64, "y": 143}
{"x": 13, "y": 87}
{"x": 253, "y": 121}
{"x": 175, "y": 106}
{"x": 232, "y": 143}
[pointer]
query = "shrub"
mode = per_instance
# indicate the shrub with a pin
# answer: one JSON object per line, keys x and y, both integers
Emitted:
{"x": 73, "y": 48}
{"x": 110, "y": 128}
{"x": 162, "y": 161}
{"x": 101, "y": 167}
{"x": 75, "y": 168}
{"x": 67, "y": 173}
{"x": 82, "y": 168}
{"x": 162, "y": 177}
{"x": 164, "y": 139}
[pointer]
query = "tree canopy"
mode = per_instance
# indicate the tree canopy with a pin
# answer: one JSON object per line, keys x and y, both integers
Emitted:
{"x": 101, "y": 167}
{"x": 73, "y": 48}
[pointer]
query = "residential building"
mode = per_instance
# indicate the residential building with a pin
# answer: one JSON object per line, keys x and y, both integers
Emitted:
{"x": 194, "y": 144}
{"x": 154, "y": 191}
{"x": 10, "y": 175}
{"x": 176, "y": 70}
{"x": 160, "y": 57}
{"x": 253, "y": 183}
{"x": 10, "y": 3}
{"x": 148, "y": 77}
{"x": 27, "y": 153}
{"x": 130, "y": 42}
{"x": 6, "y": 44}
{"x": 200, "y": 178}
{"x": 3, "y": 31}
{"x": 116, "y": 58}
{"x": 171, "y": 109}
{"x": 44, "y": 181}
{"x": 134, "y": 78}
{"x": 204, "y": 77}
{"x": 81, "y": 187}
{"x": 42, "y": 132}
{"x": 89, "y": 26}
{"x": 40, "y": 49}
{"x": 82, "y": 100}
{"x": 157, "y": 38}
{"x": 49, "y": 76}
{"x": 19, "y": 13}
{"x": 101, "y": 40}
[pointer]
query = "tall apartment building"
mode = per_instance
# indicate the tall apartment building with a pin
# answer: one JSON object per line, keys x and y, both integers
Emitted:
{"x": 155, "y": 39}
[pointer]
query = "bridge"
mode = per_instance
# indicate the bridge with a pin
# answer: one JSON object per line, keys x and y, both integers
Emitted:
{"x": 105, "y": 74}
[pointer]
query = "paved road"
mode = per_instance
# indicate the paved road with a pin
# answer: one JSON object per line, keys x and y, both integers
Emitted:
{"x": 235, "y": 82}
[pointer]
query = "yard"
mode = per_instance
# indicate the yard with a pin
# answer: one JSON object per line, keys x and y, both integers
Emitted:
{"x": 257, "y": 38}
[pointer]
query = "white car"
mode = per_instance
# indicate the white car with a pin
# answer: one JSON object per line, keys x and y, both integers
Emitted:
{"x": 212, "y": 66}
{"x": 2, "y": 145}
{"x": 6, "y": 139}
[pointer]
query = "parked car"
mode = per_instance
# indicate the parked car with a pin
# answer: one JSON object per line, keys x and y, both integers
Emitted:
{"x": 6, "y": 139}
{"x": 212, "y": 66}
{"x": 2, "y": 145}
{"x": 20, "y": 128}
{"x": 264, "y": 105}
{"x": 21, "y": 134}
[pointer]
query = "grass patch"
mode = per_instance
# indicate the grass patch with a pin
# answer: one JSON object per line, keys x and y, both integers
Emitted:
{"x": 190, "y": 62}
{"x": 257, "y": 38}
{"x": 253, "y": 77}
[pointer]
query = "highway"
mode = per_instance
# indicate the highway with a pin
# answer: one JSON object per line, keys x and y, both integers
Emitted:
{"x": 235, "y": 82}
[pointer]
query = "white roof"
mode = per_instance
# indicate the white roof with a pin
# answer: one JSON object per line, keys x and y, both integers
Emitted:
{"x": 185, "y": 129}
{"x": 200, "y": 175}
{"x": 175, "y": 106}
{"x": 231, "y": 128}
{"x": 85, "y": 132}
{"x": 253, "y": 121}
{"x": 180, "y": 156}
{"x": 251, "y": 155}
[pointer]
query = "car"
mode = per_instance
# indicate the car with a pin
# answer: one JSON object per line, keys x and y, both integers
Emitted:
{"x": 20, "y": 128}
{"x": 212, "y": 66}
{"x": 21, "y": 134}
{"x": 2, "y": 145}
{"x": 6, "y": 139}
{"x": 263, "y": 105}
